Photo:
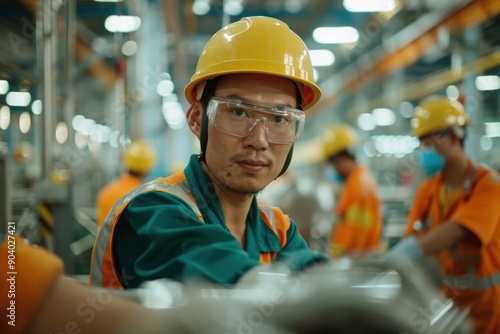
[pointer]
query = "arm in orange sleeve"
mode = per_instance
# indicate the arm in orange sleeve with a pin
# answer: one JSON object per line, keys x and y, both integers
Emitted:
{"x": 48, "y": 302}
{"x": 342, "y": 233}
{"x": 419, "y": 205}
{"x": 34, "y": 272}
{"x": 481, "y": 213}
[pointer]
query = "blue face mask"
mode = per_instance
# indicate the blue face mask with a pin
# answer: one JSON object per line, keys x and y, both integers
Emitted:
{"x": 432, "y": 162}
{"x": 334, "y": 176}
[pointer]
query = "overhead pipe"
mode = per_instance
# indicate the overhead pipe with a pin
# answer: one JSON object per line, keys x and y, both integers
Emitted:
{"x": 407, "y": 46}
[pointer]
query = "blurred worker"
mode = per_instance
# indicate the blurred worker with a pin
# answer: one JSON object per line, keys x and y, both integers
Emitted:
{"x": 253, "y": 80}
{"x": 359, "y": 222}
{"x": 456, "y": 214}
{"x": 139, "y": 159}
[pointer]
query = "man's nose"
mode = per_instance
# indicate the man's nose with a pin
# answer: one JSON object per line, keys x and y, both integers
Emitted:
{"x": 257, "y": 135}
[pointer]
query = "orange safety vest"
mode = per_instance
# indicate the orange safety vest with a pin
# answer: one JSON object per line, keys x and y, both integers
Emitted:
{"x": 103, "y": 272}
{"x": 360, "y": 226}
{"x": 111, "y": 193}
{"x": 472, "y": 268}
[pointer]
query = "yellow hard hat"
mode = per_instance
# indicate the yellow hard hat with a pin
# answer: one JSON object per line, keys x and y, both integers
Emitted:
{"x": 257, "y": 45}
{"x": 139, "y": 157}
{"x": 438, "y": 113}
{"x": 338, "y": 138}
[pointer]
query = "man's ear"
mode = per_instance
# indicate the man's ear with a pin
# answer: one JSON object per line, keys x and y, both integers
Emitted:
{"x": 193, "y": 117}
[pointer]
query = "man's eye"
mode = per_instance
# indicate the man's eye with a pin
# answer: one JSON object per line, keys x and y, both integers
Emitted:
{"x": 281, "y": 120}
{"x": 239, "y": 112}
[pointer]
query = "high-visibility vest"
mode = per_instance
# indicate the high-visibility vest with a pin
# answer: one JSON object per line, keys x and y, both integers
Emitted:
{"x": 103, "y": 272}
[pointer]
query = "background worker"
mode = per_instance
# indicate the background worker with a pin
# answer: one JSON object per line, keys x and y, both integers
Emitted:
{"x": 253, "y": 80}
{"x": 455, "y": 215}
{"x": 359, "y": 222}
{"x": 139, "y": 159}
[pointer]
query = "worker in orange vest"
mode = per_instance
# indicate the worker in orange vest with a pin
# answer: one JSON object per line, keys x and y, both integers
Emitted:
{"x": 455, "y": 216}
{"x": 359, "y": 224}
{"x": 139, "y": 159}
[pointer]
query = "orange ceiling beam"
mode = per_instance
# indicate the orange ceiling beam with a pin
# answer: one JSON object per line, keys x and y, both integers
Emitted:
{"x": 472, "y": 14}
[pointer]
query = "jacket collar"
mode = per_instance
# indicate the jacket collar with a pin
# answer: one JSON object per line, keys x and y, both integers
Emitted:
{"x": 259, "y": 237}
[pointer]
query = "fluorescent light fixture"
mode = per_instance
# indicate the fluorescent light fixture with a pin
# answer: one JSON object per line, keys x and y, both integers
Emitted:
{"x": 369, "y": 5}
{"x": 452, "y": 92}
{"x": 384, "y": 116}
{"x": 122, "y": 23}
{"x": 129, "y": 48}
{"x": 36, "y": 107}
{"x": 486, "y": 143}
{"x": 488, "y": 82}
{"x": 322, "y": 57}
{"x": 233, "y": 7}
{"x": 108, "y": 0}
{"x": 4, "y": 117}
{"x": 201, "y": 7}
{"x": 335, "y": 35}
{"x": 366, "y": 122}
{"x": 4, "y": 87}
{"x": 406, "y": 109}
{"x": 492, "y": 129}
{"x": 165, "y": 88}
{"x": 61, "y": 132}
{"x": 18, "y": 99}
{"x": 24, "y": 122}
{"x": 293, "y": 6}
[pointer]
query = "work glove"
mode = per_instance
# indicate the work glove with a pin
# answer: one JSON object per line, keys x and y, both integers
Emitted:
{"x": 408, "y": 248}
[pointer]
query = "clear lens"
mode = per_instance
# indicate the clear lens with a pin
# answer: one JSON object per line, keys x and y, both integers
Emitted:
{"x": 283, "y": 125}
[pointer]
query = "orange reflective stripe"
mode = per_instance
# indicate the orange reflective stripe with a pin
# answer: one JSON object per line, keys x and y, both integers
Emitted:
{"x": 279, "y": 223}
{"x": 103, "y": 271}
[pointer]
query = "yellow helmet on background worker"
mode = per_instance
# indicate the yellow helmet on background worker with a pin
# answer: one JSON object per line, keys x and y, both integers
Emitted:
{"x": 256, "y": 45}
{"x": 139, "y": 157}
{"x": 338, "y": 138}
{"x": 438, "y": 113}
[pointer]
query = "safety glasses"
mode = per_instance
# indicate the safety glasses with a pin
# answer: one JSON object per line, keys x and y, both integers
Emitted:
{"x": 283, "y": 124}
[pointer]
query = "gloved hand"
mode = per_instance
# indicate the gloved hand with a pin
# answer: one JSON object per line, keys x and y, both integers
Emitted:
{"x": 408, "y": 248}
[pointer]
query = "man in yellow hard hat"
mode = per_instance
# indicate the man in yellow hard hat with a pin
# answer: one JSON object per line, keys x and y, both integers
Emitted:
{"x": 139, "y": 159}
{"x": 252, "y": 84}
{"x": 456, "y": 215}
{"x": 358, "y": 227}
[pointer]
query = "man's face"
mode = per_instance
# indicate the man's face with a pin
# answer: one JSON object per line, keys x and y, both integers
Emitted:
{"x": 248, "y": 164}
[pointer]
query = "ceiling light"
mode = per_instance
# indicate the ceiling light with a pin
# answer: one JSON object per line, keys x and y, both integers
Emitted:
{"x": 18, "y": 99}
{"x": 335, "y": 35}
{"x": 4, "y": 87}
{"x": 36, "y": 107}
{"x": 406, "y": 109}
{"x": 4, "y": 117}
{"x": 129, "y": 48}
{"x": 293, "y": 6}
{"x": 233, "y": 7}
{"x": 24, "y": 122}
{"x": 384, "y": 116}
{"x": 486, "y": 143}
{"x": 366, "y": 122}
{"x": 369, "y": 5}
{"x": 165, "y": 88}
{"x": 108, "y": 0}
{"x": 122, "y": 23}
{"x": 322, "y": 57}
{"x": 452, "y": 92}
{"x": 488, "y": 82}
{"x": 492, "y": 129}
{"x": 61, "y": 132}
{"x": 201, "y": 7}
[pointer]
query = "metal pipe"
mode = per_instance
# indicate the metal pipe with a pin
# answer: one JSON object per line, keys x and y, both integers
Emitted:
{"x": 48, "y": 23}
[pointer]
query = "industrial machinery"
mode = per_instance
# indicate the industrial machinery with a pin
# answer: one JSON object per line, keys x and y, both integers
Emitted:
{"x": 367, "y": 296}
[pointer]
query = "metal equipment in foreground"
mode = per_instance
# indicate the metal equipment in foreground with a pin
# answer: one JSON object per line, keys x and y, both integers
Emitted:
{"x": 359, "y": 297}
